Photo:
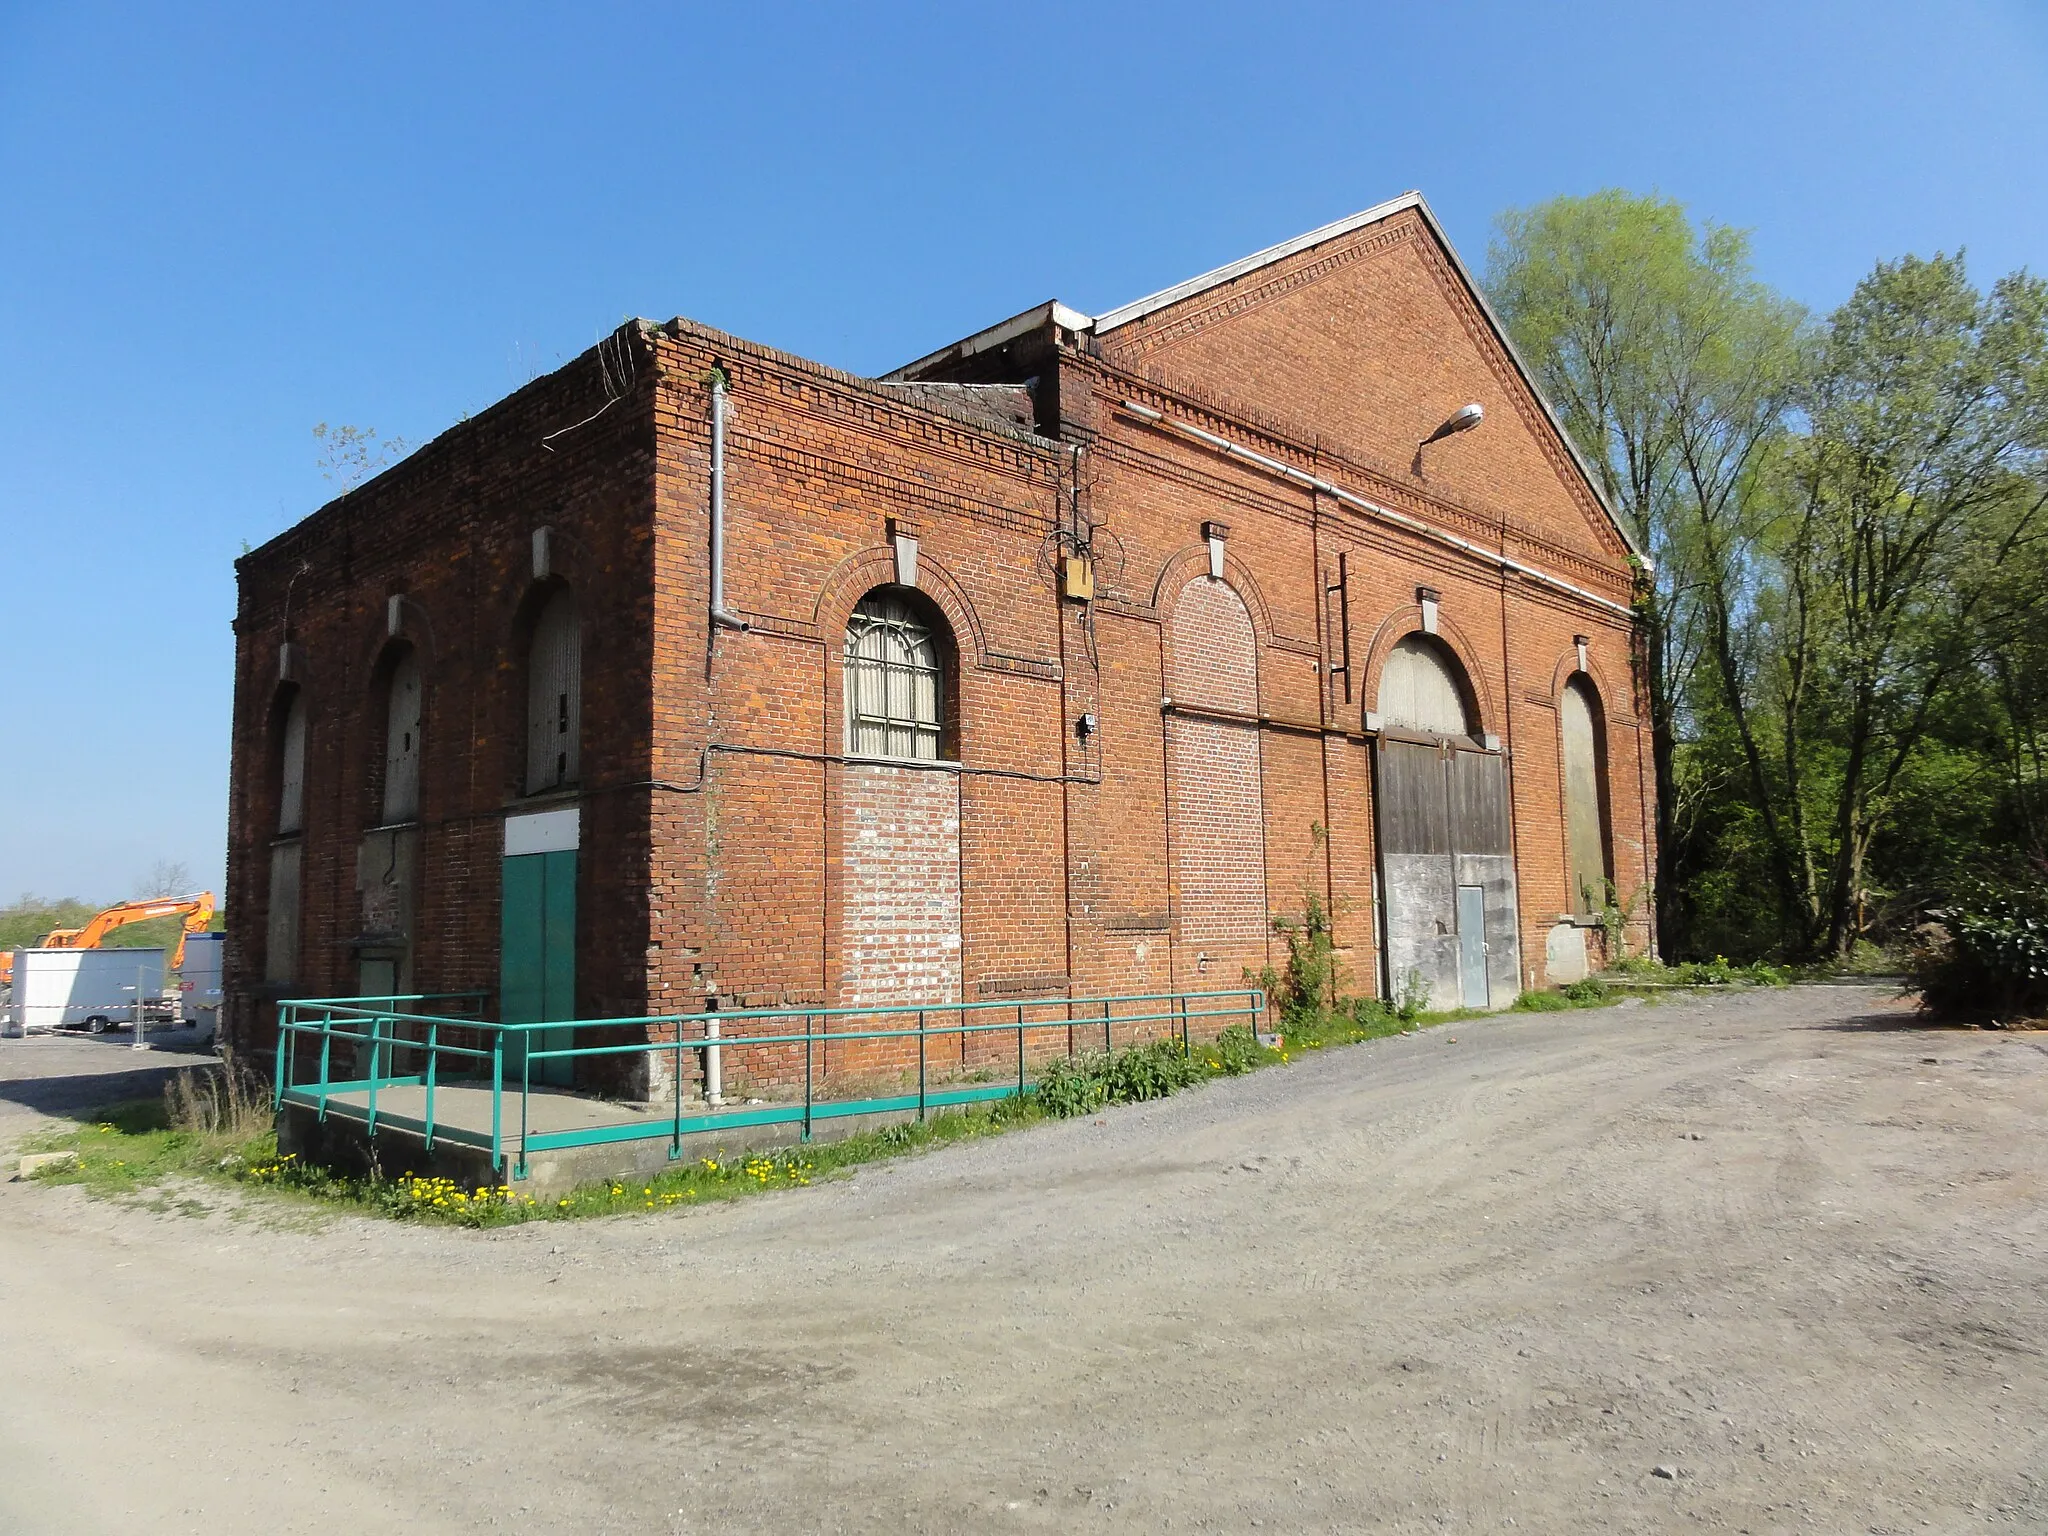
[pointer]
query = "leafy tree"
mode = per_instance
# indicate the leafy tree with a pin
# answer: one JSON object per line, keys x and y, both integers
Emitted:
{"x": 1672, "y": 368}
{"x": 1919, "y": 480}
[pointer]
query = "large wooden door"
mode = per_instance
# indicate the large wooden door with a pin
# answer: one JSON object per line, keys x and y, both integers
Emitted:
{"x": 1447, "y": 875}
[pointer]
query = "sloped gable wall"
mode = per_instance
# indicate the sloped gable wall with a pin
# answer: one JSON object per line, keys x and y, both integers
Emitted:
{"x": 1362, "y": 346}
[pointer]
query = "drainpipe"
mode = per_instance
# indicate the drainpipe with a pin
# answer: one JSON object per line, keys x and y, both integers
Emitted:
{"x": 720, "y": 617}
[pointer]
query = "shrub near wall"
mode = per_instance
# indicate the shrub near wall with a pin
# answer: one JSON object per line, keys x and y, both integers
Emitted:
{"x": 1987, "y": 955}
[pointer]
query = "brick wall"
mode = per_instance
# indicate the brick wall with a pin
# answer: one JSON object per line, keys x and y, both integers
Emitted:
{"x": 732, "y": 851}
{"x": 901, "y": 931}
{"x": 1219, "y": 855}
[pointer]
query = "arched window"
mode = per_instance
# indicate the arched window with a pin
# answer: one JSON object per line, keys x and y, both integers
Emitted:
{"x": 402, "y": 740}
{"x": 281, "y": 916}
{"x": 1423, "y": 689}
{"x": 1585, "y": 756}
{"x": 895, "y": 679}
{"x": 554, "y": 697}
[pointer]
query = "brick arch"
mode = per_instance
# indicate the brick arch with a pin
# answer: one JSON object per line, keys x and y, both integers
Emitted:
{"x": 1568, "y": 664}
{"x": 1211, "y": 646}
{"x": 1184, "y": 565}
{"x": 1188, "y": 568}
{"x": 860, "y": 573}
{"x": 1398, "y": 626}
{"x": 415, "y": 628}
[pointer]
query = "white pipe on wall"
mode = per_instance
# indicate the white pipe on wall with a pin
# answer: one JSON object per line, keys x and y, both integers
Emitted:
{"x": 1226, "y": 447}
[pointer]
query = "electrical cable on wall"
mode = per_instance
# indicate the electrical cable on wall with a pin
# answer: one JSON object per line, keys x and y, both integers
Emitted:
{"x": 614, "y": 357}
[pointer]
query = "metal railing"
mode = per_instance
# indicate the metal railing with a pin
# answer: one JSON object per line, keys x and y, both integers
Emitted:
{"x": 397, "y": 1043}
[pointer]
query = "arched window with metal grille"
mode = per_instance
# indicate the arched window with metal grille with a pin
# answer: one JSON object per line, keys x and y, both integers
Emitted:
{"x": 895, "y": 679}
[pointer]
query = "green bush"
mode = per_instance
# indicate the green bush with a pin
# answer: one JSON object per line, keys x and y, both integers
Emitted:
{"x": 1542, "y": 1002}
{"x": 1072, "y": 1086}
{"x": 1583, "y": 994}
{"x": 1988, "y": 959}
{"x": 1081, "y": 1085}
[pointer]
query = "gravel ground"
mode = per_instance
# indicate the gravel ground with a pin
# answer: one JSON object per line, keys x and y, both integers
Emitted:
{"x": 1494, "y": 1275}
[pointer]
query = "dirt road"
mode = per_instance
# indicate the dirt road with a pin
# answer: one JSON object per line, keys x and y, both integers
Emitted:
{"x": 1489, "y": 1276}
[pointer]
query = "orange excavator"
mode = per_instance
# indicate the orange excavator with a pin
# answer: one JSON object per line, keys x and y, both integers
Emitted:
{"x": 196, "y": 910}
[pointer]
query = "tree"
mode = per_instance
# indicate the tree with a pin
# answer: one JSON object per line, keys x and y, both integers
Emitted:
{"x": 1916, "y": 490}
{"x": 1672, "y": 368}
{"x": 166, "y": 877}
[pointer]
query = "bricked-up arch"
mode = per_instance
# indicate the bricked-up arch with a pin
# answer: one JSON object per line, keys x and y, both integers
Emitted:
{"x": 387, "y": 854}
{"x": 1217, "y": 806}
{"x": 282, "y": 896}
{"x": 1583, "y": 724}
{"x": 554, "y": 693}
{"x": 900, "y": 807}
{"x": 398, "y": 712}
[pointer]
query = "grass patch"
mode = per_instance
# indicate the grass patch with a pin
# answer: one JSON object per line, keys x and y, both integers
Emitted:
{"x": 1590, "y": 993}
{"x": 133, "y": 1146}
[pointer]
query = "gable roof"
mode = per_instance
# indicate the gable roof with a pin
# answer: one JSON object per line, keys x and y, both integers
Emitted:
{"x": 1067, "y": 318}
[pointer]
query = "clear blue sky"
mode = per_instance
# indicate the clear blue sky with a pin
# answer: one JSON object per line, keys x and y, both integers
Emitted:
{"x": 219, "y": 226}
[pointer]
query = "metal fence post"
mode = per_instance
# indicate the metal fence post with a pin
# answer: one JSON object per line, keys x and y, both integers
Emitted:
{"x": 1020, "y": 1048}
{"x": 375, "y": 1031}
{"x": 807, "y": 1077}
{"x": 675, "y": 1139}
{"x": 433, "y": 1056}
{"x": 326, "y": 1056}
{"x": 920, "y": 1063}
{"x": 498, "y": 1105}
{"x": 279, "y": 1074}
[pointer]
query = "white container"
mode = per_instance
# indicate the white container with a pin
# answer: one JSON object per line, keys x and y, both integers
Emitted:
{"x": 198, "y": 982}
{"x": 71, "y": 988}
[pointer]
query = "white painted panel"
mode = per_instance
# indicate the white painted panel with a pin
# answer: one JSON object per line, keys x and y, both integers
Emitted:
{"x": 1419, "y": 690}
{"x": 544, "y": 832}
{"x": 281, "y": 933}
{"x": 1583, "y": 834}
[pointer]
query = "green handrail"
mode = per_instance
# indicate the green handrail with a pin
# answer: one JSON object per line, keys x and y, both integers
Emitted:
{"x": 376, "y": 1023}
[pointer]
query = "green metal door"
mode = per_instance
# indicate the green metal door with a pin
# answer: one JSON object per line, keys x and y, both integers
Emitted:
{"x": 537, "y": 957}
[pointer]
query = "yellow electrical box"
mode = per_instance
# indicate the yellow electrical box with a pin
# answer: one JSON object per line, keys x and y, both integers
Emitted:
{"x": 1078, "y": 578}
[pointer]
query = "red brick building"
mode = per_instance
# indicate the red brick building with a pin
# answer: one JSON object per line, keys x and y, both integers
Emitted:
{"x": 1062, "y": 660}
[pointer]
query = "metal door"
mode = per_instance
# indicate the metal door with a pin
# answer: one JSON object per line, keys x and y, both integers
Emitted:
{"x": 537, "y": 957}
{"x": 1472, "y": 945}
{"x": 1443, "y": 836}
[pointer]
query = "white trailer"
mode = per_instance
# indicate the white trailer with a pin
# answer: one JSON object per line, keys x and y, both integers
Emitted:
{"x": 198, "y": 983}
{"x": 89, "y": 989}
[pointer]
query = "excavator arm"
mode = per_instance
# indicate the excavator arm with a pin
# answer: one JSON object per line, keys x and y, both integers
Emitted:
{"x": 196, "y": 910}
